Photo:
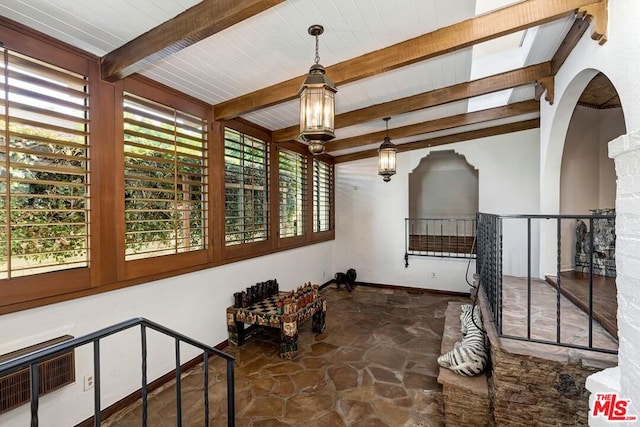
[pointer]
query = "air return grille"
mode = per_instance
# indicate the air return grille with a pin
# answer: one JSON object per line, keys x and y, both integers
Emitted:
{"x": 53, "y": 374}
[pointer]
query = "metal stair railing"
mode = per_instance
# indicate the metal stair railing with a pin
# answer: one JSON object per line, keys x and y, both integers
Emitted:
{"x": 32, "y": 360}
{"x": 440, "y": 237}
{"x": 489, "y": 270}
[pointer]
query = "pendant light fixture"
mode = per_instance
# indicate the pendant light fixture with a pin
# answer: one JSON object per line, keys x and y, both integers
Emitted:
{"x": 387, "y": 156}
{"x": 317, "y": 103}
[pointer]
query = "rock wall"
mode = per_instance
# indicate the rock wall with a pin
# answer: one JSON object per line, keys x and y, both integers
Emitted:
{"x": 535, "y": 384}
{"x": 464, "y": 407}
{"x": 532, "y": 391}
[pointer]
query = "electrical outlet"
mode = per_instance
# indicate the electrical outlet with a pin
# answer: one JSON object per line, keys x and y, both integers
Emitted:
{"x": 88, "y": 382}
{"x": 433, "y": 275}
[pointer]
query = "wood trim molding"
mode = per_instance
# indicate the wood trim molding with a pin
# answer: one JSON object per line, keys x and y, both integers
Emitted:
{"x": 448, "y": 139}
{"x": 458, "y": 92}
{"x": 444, "y": 40}
{"x": 193, "y": 25}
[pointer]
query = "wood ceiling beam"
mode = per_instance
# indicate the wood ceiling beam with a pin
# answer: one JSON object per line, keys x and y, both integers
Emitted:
{"x": 600, "y": 14}
{"x": 481, "y": 28}
{"x": 570, "y": 41}
{"x": 450, "y": 122}
{"x": 193, "y": 25}
{"x": 448, "y": 139}
{"x": 461, "y": 91}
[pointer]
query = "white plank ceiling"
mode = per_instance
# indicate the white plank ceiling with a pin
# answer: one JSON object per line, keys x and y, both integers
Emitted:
{"x": 274, "y": 46}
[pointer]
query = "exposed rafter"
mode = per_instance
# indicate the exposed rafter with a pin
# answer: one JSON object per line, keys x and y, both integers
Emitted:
{"x": 504, "y": 21}
{"x": 448, "y": 139}
{"x": 570, "y": 41}
{"x": 444, "y": 123}
{"x": 483, "y": 86}
{"x": 194, "y": 24}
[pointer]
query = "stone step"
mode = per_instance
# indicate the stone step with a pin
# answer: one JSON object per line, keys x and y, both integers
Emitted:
{"x": 466, "y": 399}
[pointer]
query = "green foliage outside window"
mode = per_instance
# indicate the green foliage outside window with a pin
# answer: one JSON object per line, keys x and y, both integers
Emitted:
{"x": 165, "y": 191}
{"x": 47, "y": 206}
{"x": 246, "y": 188}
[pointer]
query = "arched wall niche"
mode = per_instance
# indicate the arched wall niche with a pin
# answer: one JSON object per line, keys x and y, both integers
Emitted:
{"x": 443, "y": 185}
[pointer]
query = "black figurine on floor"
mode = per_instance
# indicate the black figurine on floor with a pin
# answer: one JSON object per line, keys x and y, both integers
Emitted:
{"x": 348, "y": 279}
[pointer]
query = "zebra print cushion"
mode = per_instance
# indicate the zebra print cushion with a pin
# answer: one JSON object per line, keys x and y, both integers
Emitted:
{"x": 468, "y": 357}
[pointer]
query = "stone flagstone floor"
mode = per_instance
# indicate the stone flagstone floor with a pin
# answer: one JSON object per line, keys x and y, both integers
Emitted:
{"x": 375, "y": 365}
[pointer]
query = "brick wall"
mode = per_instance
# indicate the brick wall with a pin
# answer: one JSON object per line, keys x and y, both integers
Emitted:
{"x": 625, "y": 150}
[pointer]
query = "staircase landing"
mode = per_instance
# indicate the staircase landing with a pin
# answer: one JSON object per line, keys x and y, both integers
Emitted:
{"x": 575, "y": 287}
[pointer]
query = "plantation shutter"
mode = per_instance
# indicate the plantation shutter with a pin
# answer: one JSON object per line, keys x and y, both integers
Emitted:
{"x": 322, "y": 188}
{"x": 165, "y": 179}
{"x": 44, "y": 167}
{"x": 246, "y": 204}
{"x": 293, "y": 201}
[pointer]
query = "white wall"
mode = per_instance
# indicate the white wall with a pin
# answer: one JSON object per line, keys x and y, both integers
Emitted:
{"x": 580, "y": 176}
{"x": 587, "y": 177}
{"x": 193, "y": 304}
{"x": 370, "y": 213}
{"x": 438, "y": 170}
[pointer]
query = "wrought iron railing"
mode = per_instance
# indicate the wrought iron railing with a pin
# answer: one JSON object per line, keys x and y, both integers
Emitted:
{"x": 32, "y": 360}
{"x": 489, "y": 268}
{"x": 440, "y": 237}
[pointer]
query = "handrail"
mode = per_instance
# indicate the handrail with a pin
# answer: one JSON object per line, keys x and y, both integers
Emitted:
{"x": 489, "y": 271}
{"x": 452, "y": 237}
{"x": 32, "y": 360}
{"x": 554, "y": 216}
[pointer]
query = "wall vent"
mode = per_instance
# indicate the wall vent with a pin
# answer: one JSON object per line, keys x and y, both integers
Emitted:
{"x": 53, "y": 374}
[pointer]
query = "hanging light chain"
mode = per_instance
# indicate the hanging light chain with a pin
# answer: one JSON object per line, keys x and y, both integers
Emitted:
{"x": 317, "y": 59}
{"x": 316, "y": 31}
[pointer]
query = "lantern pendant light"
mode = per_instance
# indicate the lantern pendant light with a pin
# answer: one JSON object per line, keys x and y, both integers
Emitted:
{"x": 387, "y": 156}
{"x": 317, "y": 103}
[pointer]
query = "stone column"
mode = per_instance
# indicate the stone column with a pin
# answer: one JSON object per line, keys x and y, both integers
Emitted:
{"x": 625, "y": 150}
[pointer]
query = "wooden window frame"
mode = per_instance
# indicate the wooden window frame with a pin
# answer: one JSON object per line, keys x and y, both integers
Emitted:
{"x": 246, "y": 173}
{"x": 43, "y": 285}
{"x": 321, "y": 236}
{"x": 250, "y": 249}
{"x": 107, "y": 268}
{"x": 132, "y": 269}
{"x": 294, "y": 241}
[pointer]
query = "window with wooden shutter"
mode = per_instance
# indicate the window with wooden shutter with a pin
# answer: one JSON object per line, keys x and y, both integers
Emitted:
{"x": 246, "y": 178}
{"x": 44, "y": 167}
{"x": 292, "y": 169}
{"x": 165, "y": 175}
{"x": 322, "y": 188}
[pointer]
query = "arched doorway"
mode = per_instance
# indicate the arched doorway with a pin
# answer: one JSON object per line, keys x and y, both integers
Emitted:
{"x": 588, "y": 186}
